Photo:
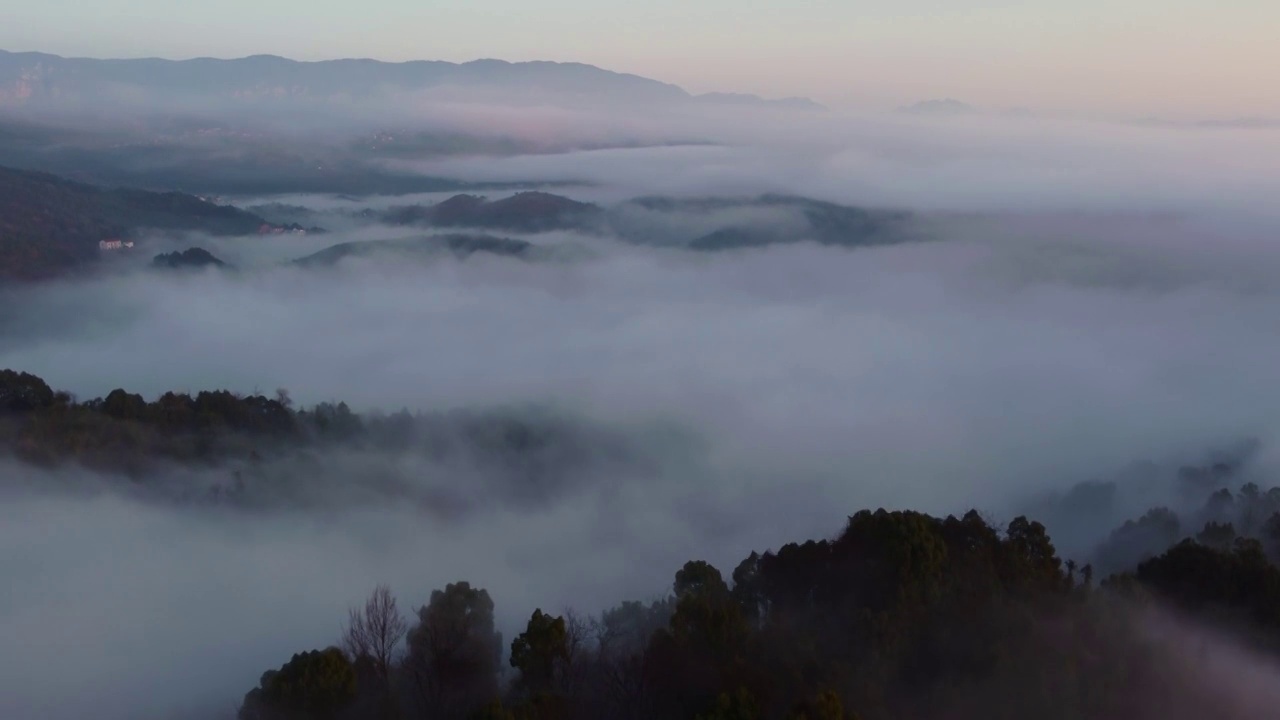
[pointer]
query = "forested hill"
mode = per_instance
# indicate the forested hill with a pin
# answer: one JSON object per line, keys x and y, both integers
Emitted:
{"x": 530, "y": 211}
{"x": 126, "y": 434}
{"x": 50, "y": 225}
{"x": 255, "y": 449}
{"x": 901, "y": 616}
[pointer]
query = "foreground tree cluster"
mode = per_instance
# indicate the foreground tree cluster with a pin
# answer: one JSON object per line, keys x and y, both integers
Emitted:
{"x": 902, "y": 615}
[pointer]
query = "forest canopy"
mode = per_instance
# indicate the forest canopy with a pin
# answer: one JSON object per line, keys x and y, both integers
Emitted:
{"x": 901, "y": 615}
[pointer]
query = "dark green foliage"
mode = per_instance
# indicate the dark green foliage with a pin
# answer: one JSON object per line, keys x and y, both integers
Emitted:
{"x": 1270, "y": 535}
{"x": 530, "y": 450}
{"x": 49, "y": 225}
{"x": 22, "y": 392}
{"x": 1223, "y": 517}
{"x": 902, "y": 615}
{"x": 540, "y": 651}
{"x": 454, "y": 652}
{"x": 1217, "y": 535}
{"x": 822, "y": 222}
{"x": 901, "y": 602}
{"x": 314, "y": 685}
{"x": 176, "y": 211}
{"x": 458, "y": 246}
{"x": 123, "y": 432}
{"x": 699, "y": 578}
{"x": 522, "y": 212}
{"x": 1140, "y": 539}
{"x": 1199, "y": 577}
{"x": 190, "y": 258}
{"x": 705, "y": 647}
{"x": 124, "y": 406}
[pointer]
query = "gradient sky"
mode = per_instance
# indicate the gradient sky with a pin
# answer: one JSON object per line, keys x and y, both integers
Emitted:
{"x": 1193, "y": 58}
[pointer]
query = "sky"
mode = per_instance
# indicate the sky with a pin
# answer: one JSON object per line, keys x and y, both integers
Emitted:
{"x": 1170, "y": 58}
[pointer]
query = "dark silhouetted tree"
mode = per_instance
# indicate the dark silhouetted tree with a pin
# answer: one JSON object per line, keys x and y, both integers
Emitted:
{"x": 315, "y": 685}
{"x": 375, "y": 631}
{"x": 454, "y": 651}
{"x": 23, "y": 392}
{"x": 541, "y": 652}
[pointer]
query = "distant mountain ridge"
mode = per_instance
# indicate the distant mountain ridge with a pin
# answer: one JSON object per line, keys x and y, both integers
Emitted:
{"x": 531, "y": 211}
{"x": 708, "y": 224}
{"x": 195, "y": 258}
{"x": 457, "y": 245}
{"x": 51, "y": 226}
{"x": 30, "y": 78}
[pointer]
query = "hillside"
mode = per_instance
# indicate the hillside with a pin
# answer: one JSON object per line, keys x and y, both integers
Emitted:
{"x": 190, "y": 259}
{"x": 522, "y": 212}
{"x": 459, "y": 246}
{"x": 124, "y": 435}
{"x": 703, "y": 224}
{"x": 732, "y": 223}
{"x": 50, "y": 225}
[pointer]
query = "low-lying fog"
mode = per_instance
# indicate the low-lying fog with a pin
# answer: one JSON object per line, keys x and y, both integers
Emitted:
{"x": 1008, "y": 356}
{"x": 963, "y": 163}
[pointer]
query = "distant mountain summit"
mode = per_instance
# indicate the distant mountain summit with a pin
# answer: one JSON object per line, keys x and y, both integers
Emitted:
{"x": 31, "y": 78}
{"x": 531, "y": 211}
{"x": 192, "y": 258}
{"x": 457, "y": 245}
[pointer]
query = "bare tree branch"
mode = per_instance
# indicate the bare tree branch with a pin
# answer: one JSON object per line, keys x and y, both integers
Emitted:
{"x": 376, "y": 631}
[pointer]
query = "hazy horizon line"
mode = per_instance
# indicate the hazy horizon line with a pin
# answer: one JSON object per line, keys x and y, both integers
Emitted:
{"x": 1225, "y": 119}
{"x": 368, "y": 59}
